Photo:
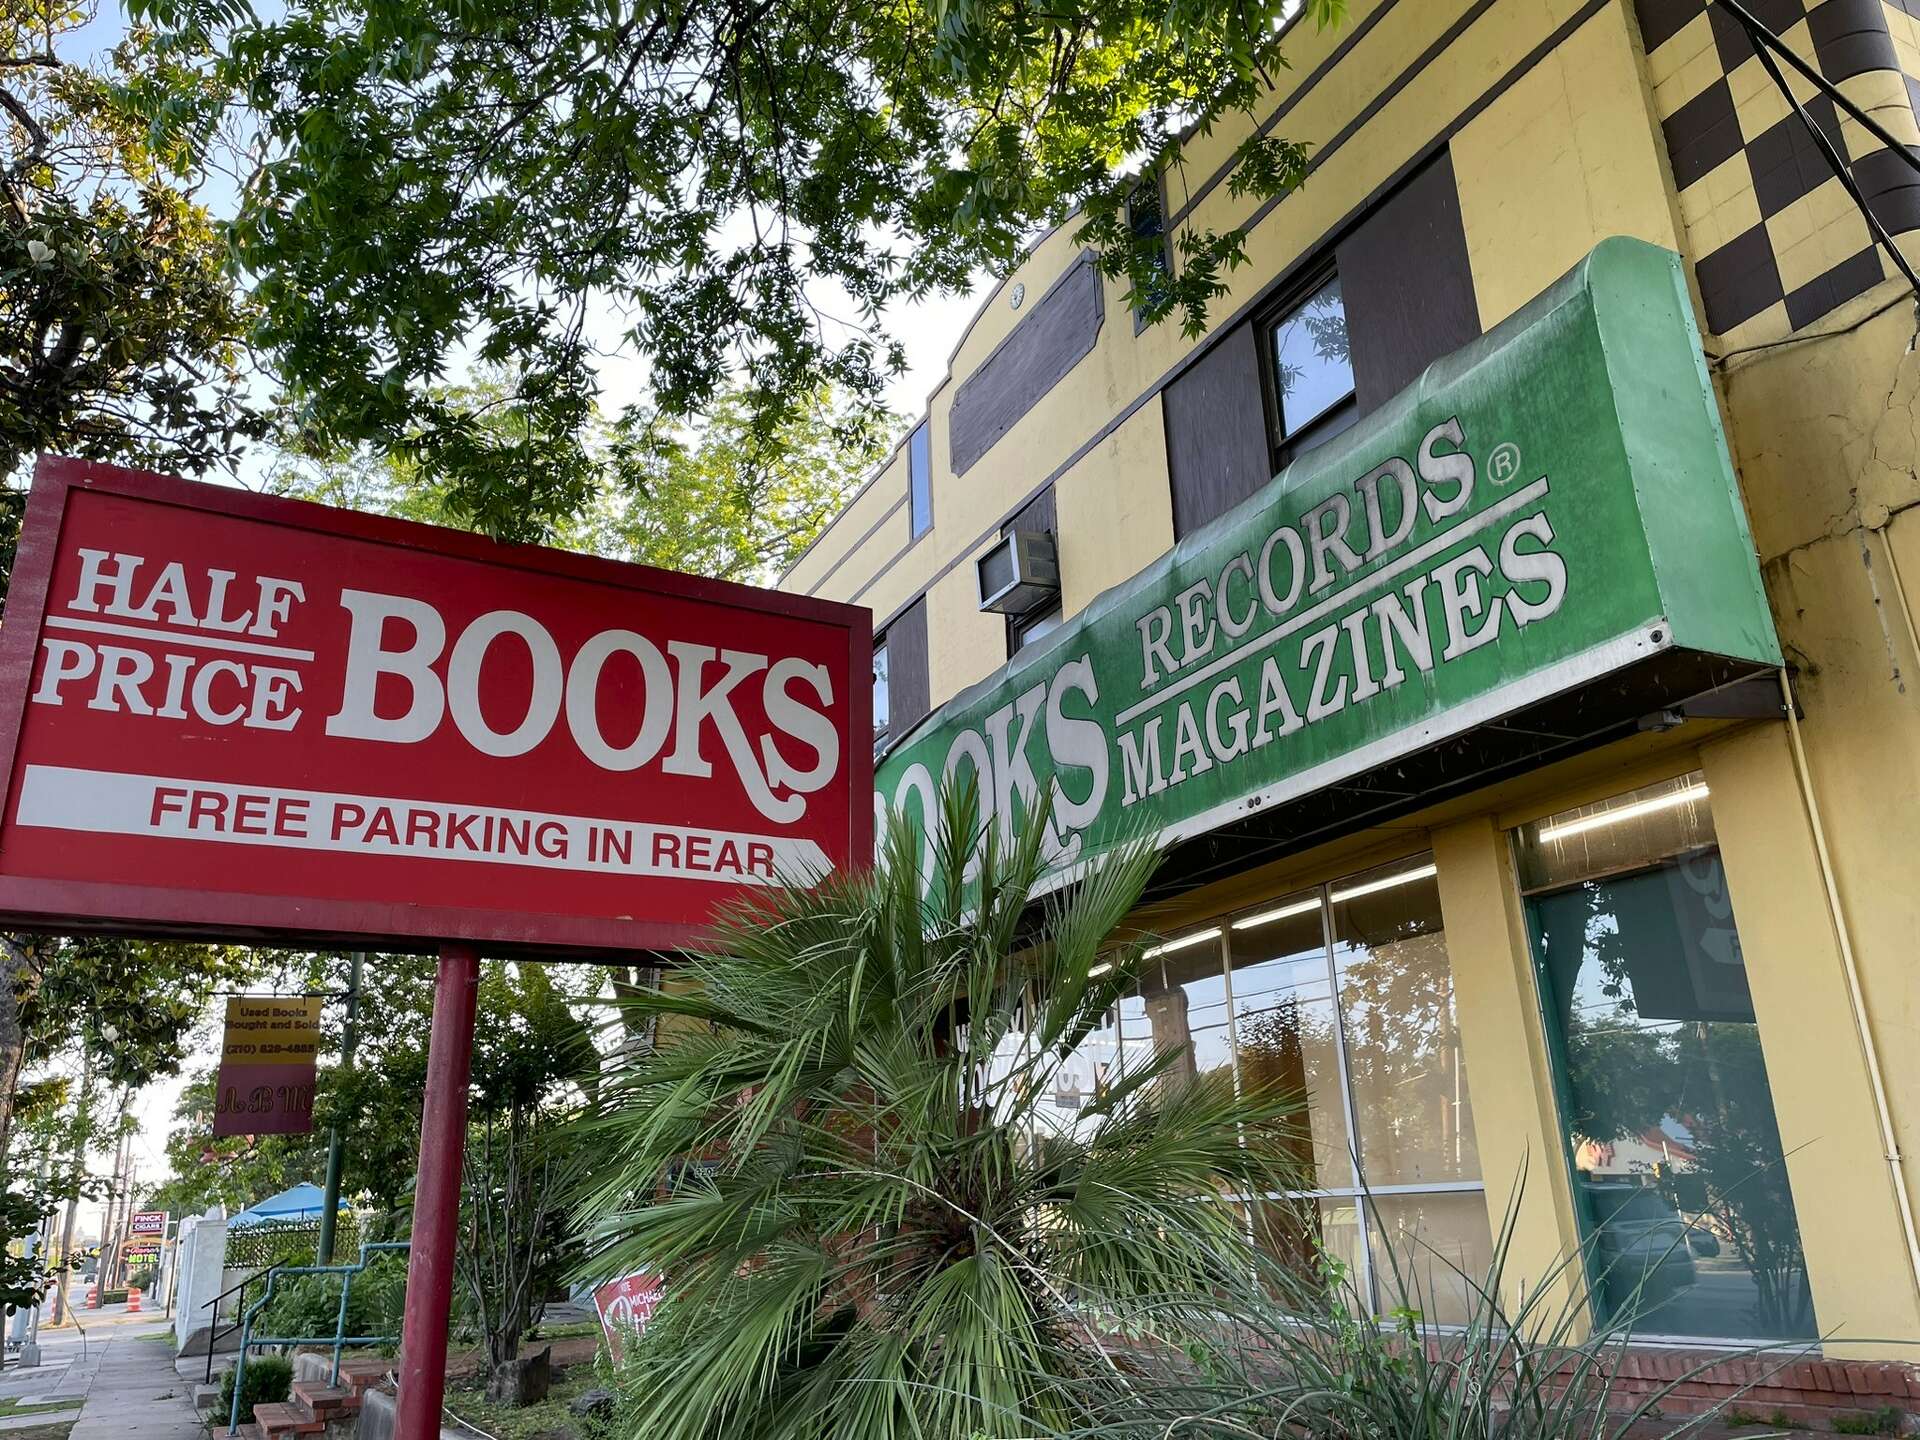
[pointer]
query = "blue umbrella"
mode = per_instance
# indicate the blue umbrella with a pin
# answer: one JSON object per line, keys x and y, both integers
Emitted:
{"x": 304, "y": 1201}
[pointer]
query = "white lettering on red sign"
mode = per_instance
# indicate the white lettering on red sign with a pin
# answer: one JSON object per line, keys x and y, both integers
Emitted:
{"x": 351, "y": 693}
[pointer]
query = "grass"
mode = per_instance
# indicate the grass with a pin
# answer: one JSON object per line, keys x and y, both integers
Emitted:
{"x": 508, "y": 1424}
{"x": 14, "y": 1405}
{"x": 42, "y": 1432}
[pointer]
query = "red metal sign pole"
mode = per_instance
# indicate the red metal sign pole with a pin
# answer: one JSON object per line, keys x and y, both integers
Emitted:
{"x": 436, "y": 1201}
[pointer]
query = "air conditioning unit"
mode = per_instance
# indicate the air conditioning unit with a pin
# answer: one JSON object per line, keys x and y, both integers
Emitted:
{"x": 1020, "y": 573}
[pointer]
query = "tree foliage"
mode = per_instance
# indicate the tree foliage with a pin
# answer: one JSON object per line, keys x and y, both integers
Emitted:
{"x": 725, "y": 499}
{"x": 121, "y": 329}
{"x": 870, "y": 1220}
{"x": 728, "y": 188}
{"x": 731, "y": 499}
{"x": 516, "y": 1246}
{"x": 232, "y": 1171}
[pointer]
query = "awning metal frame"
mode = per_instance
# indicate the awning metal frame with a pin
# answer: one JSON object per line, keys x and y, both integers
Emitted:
{"x": 1767, "y": 46}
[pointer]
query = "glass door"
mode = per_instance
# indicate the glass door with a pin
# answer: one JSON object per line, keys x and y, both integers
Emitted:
{"x": 1665, "y": 1104}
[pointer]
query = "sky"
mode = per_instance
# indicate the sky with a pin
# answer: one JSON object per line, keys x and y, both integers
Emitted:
{"x": 928, "y": 331}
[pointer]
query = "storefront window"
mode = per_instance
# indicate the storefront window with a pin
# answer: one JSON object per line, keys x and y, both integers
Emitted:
{"x": 1345, "y": 993}
{"x": 1403, "y": 1048}
{"x": 1668, "y": 1114}
{"x": 1318, "y": 1235}
{"x": 1287, "y": 1027}
{"x": 1185, "y": 995}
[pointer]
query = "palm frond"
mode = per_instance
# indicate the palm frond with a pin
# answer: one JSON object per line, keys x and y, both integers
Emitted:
{"x": 864, "y": 1227}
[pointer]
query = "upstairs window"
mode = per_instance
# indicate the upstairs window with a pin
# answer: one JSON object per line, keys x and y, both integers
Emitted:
{"x": 1147, "y": 217}
{"x": 882, "y": 713}
{"x": 1035, "y": 625}
{"x": 1309, "y": 371}
{"x": 920, "y": 482}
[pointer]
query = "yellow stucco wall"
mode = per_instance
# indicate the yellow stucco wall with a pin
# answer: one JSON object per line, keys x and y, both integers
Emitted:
{"x": 1115, "y": 509}
{"x": 1824, "y": 433}
{"x": 1568, "y": 155}
{"x": 1508, "y": 1073}
{"x": 1842, "y": 1189}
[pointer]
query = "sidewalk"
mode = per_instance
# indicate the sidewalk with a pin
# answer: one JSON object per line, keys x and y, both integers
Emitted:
{"x": 119, "y": 1374}
{"x": 135, "y": 1391}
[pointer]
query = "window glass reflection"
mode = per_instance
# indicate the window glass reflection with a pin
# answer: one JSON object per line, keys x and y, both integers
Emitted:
{"x": 1285, "y": 1024}
{"x": 1312, "y": 365}
{"x": 1405, "y": 1065}
{"x": 1135, "y": 1033}
{"x": 1184, "y": 992}
{"x": 1669, "y": 1114}
{"x": 1315, "y": 1238}
{"x": 1431, "y": 1253}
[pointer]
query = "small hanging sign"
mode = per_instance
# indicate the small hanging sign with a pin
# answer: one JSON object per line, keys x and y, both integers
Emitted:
{"x": 266, "y": 1066}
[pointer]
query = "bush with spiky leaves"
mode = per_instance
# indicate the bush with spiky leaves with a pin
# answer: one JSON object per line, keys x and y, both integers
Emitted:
{"x": 867, "y": 1228}
{"x": 1309, "y": 1358}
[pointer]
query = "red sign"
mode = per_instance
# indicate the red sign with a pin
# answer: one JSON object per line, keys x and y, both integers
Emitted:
{"x": 231, "y": 715}
{"x": 148, "y": 1222}
{"x": 626, "y": 1305}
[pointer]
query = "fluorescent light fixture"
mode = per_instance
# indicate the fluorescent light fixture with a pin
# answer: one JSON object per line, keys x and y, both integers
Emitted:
{"x": 1695, "y": 791}
{"x": 1198, "y": 937}
{"x": 1285, "y": 912}
{"x": 1100, "y": 969}
{"x": 1386, "y": 882}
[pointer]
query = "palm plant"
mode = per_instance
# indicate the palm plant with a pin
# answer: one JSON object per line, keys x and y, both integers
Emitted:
{"x": 868, "y": 1226}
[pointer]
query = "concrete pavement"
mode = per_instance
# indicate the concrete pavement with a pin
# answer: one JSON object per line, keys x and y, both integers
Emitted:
{"x": 118, "y": 1370}
{"x": 135, "y": 1392}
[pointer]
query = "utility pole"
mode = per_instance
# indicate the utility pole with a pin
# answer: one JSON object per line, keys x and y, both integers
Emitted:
{"x": 76, "y": 1167}
{"x": 330, "y": 1205}
{"x": 30, "y": 1351}
{"x": 116, "y": 1196}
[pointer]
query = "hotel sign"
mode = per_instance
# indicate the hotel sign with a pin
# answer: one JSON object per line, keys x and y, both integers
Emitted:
{"x": 1542, "y": 509}
{"x": 229, "y": 715}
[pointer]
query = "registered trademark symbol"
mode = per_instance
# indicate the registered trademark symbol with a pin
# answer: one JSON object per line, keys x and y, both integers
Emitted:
{"x": 1504, "y": 463}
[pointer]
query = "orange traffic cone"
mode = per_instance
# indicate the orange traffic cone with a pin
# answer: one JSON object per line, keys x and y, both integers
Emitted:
{"x": 133, "y": 1300}
{"x": 93, "y": 1297}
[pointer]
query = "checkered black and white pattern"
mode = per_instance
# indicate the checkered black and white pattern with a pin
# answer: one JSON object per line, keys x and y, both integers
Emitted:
{"x": 1777, "y": 241}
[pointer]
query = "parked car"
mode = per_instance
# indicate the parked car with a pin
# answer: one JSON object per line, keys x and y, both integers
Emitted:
{"x": 1641, "y": 1242}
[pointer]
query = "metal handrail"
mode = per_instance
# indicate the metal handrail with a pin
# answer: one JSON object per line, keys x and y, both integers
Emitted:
{"x": 214, "y": 1333}
{"x": 339, "y": 1340}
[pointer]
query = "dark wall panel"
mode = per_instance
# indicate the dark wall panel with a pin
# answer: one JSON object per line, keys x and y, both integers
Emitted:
{"x": 1038, "y": 513}
{"x": 908, "y": 692}
{"x": 1217, "y": 431}
{"x": 1034, "y": 358}
{"x": 1408, "y": 287}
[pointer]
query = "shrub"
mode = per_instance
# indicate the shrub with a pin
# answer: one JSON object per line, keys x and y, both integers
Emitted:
{"x": 1313, "y": 1360}
{"x": 269, "y": 1382}
{"x": 1868, "y": 1422}
{"x": 143, "y": 1279}
{"x": 308, "y": 1306}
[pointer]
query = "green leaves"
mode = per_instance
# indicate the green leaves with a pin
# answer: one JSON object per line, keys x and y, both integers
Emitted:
{"x": 120, "y": 328}
{"x": 733, "y": 191}
{"x": 739, "y": 499}
{"x": 846, "y": 1160}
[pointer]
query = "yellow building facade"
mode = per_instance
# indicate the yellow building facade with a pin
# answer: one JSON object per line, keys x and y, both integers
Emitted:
{"x": 1653, "y": 987}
